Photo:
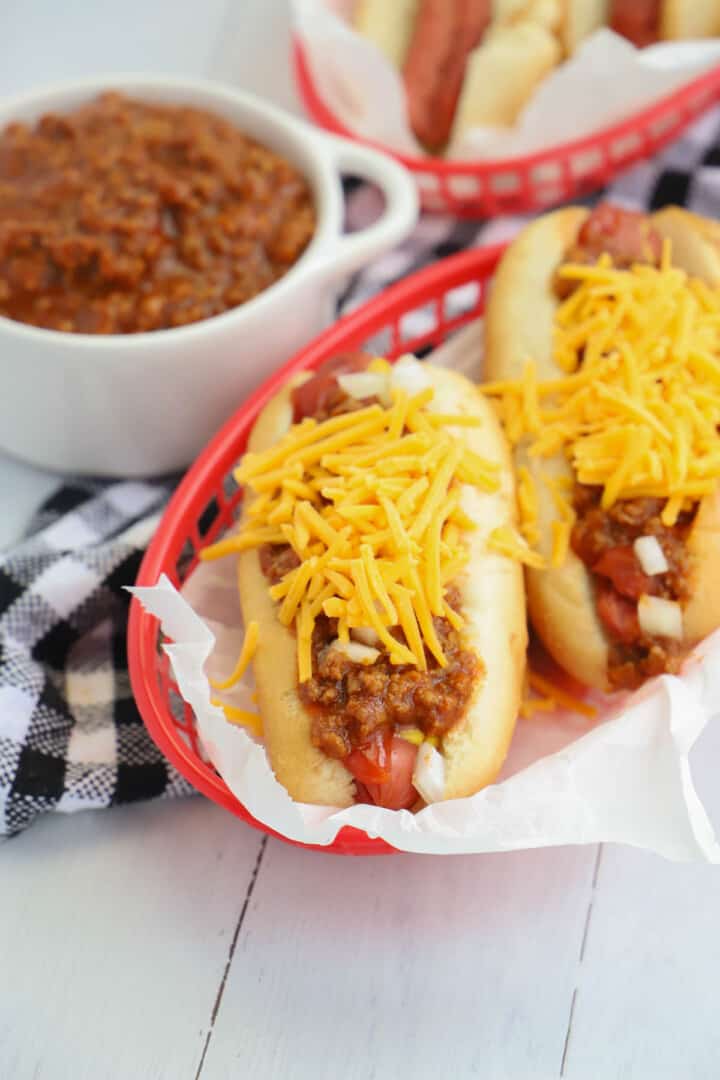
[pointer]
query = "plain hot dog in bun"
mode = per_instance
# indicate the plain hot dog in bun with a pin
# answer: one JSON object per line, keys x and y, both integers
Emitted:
{"x": 444, "y": 35}
{"x": 603, "y": 351}
{"x": 470, "y": 63}
{"x": 391, "y": 630}
{"x": 463, "y": 62}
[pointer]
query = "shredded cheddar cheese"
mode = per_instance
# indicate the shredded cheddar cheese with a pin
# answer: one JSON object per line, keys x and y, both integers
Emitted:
{"x": 636, "y": 405}
{"x": 243, "y": 717}
{"x": 505, "y": 541}
{"x": 532, "y": 704}
{"x": 561, "y": 697}
{"x": 247, "y": 652}
{"x": 371, "y": 503}
{"x": 527, "y": 505}
{"x": 543, "y": 695}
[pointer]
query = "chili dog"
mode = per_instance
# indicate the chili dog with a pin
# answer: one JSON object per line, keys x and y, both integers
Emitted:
{"x": 602, "y": 338}
{"x": 391, "y": 635}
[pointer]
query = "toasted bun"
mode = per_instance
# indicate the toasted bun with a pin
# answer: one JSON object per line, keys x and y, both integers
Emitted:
{"x": 546, "y": 12}
{"x": 388, "y": 25}
{"x": 502, "y": 73}
{"x": 695, "y": 241}
{"x": 493, "y": 605}
{"x": 506, "y": 10}
{"x": 519, "y": 321}
{"x": 683, "y": 19}
{"x": 580, "y": 18}
{"x": 696, "y": 248}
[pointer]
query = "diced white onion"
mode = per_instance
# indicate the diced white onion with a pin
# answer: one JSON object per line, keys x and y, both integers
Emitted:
{"x": 365, "y": 634}
{"x": 429, "y": 774}
{"x": 659, "y": 617}
{"x": 409, "y": 374}
{"x": 364, "y": 384}
{"x": 650, "y": 555}
{"x": 355, "y": 651}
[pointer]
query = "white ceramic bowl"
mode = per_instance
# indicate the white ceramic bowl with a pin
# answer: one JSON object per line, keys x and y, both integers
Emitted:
{"x": 144, "y": 404}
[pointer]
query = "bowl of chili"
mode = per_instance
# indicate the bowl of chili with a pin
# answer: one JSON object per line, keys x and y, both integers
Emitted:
{"x": 164, "y": 245}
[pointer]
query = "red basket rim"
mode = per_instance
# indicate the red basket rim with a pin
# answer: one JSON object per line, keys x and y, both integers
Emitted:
{"x": 191, "y": 497}
{"x": 320, "y": 111}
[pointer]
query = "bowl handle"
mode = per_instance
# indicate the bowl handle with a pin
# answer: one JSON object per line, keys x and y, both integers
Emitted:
{"x": 401, "y": 209}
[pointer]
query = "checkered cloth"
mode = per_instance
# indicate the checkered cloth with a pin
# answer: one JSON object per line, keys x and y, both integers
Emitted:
{"x": 70, "y": 735}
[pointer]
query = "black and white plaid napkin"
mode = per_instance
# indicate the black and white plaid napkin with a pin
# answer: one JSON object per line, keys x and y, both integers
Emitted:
{"x": 70, "y": 735}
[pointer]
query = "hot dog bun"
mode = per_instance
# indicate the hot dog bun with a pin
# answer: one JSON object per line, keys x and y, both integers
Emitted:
{"x": 464, "y": 62}
{"x": 307, "y": 773}
{"x": 493, "y": 605}
{"x": 389, "y": 26}
{"x": 502, "y": 73}
{"x": 519, "y": 322}
{"x": 696, "y": 248}
{"x": 580, "y": 18}
{"x": 664, "y": 20}
{"x": 688, "y": 19}
{"x": 571, "y": 21}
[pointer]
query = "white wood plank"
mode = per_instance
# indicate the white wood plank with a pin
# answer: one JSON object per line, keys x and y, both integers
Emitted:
{"x": 404, "y": 966}
{"x": 115, "y": 931}
{"x": 646, "y": 1004}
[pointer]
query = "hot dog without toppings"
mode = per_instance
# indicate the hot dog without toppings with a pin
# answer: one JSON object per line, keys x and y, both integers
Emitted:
{"x": 618, "y": 441}
{"x": 637, "y": 20}
{"x": 444, "y": 35}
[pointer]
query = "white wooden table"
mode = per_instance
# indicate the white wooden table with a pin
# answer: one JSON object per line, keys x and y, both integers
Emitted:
{"x": 170, "y": 940}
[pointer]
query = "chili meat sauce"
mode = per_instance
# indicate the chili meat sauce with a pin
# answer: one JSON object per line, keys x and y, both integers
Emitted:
{"x": 124, "y": 216}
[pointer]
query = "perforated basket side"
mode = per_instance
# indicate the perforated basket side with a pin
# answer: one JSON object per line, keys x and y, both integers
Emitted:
{"x": 484, "y": 189}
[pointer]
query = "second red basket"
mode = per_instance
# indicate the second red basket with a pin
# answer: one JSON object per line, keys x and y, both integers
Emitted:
{"x": 483, "y": 189}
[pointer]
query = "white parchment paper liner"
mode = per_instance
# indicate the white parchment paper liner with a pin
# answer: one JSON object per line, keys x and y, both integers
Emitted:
{"x": 567, "y": 780}
{"x": 606, "y": 81}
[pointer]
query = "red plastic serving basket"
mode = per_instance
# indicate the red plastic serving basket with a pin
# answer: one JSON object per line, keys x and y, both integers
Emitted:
{"x": 439, "y": 299}
{"x": 484, "y": 189}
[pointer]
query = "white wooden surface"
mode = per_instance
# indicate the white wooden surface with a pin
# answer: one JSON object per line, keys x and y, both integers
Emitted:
{"x": 171, "y": 941}
{"x": 407, "y": 966}
{"x": 116, "y": 930}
